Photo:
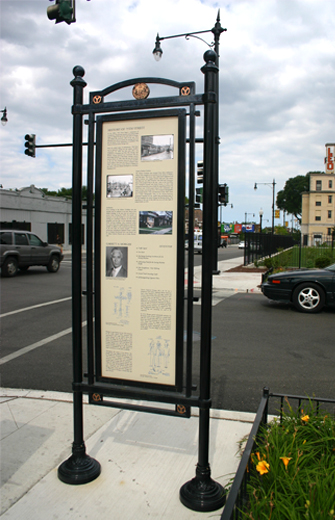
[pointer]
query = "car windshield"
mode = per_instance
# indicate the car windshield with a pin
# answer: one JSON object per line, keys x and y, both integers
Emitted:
{"x": 331, "y": 267}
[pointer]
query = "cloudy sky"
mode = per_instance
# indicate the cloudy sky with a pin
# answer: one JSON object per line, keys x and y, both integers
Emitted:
{"x": 277, "y": 83}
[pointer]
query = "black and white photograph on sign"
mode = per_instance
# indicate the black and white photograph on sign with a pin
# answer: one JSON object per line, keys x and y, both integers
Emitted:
{"x": 119, "y": 186}
{"x": 155, "y": 222}
{"x": 117, "y": 262}
{"x": 157, "y": 147}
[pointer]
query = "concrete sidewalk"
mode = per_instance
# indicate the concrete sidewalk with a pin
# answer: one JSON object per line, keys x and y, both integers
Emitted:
{"x": 145, "y": 458}
{"x": 231, "y": 281}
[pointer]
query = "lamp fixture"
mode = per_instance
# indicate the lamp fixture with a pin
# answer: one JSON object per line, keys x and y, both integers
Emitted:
{"x": 157, "y": 52}
{"x": 216, "y": 30}
{"x": 4, "y": 119}
{"x": 273, "y": 185}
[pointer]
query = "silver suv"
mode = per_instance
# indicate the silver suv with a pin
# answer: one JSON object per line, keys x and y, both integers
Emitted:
{"x": 21, "y": 249}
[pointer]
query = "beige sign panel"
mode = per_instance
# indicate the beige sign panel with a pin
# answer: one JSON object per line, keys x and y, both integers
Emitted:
{"x": 138, "y": 249}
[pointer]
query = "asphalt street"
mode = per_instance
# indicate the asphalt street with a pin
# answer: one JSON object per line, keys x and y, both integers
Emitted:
{"x": 256, "y": 342}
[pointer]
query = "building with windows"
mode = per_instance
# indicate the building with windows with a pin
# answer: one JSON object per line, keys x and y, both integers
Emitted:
{"x": 30, "y": 209}
{"x": 318, "y": 205}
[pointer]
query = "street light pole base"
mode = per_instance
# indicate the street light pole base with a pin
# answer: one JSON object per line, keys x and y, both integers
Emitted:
{"x": 202, "y": 493}
{"x": 80, "y": 468}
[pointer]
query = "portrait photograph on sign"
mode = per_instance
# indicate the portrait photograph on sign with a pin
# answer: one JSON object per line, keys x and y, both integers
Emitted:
{"x": 139, "y": 278}
{"x": 117, "y": 262}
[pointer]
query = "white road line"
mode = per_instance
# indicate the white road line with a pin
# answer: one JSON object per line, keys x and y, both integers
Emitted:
{"x": 35, "y": 307}
{"x": 29, "y": 348}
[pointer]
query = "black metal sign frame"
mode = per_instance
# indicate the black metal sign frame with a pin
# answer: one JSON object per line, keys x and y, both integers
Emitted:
{"x": 136, "y": 119}
{"x": 201, "y": 493}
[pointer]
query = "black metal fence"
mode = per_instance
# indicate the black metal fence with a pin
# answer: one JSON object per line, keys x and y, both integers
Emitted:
{"x": 237, "y": 501}
{"x": 303, "y": 249}
{"x": 259, "y": 245}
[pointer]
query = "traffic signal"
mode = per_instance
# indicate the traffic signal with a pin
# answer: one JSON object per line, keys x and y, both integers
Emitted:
{"x": 30, "y": 144}
{"x": 62, "y": 11}
{"x": 200, "y": 172}
{"x": 198, "y": 196}
{"x": 223, "y": 194}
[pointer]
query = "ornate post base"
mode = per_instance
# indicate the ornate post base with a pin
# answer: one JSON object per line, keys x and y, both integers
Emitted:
{"x": 80, "y": 468}
{"x": 202, "y": 493}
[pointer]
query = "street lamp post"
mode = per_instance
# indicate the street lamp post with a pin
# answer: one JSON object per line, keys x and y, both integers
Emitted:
{"x": 261, "y": 213}
{"x": 273, "y": 184}
{"x": 202, "y": 493}
{"x": 246, "y": 219}
{"x": 217, "y": 30}
{"x": 231, "y": 205}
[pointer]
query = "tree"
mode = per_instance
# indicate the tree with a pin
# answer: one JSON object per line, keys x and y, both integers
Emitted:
{"x": 65, "y": 192}
{"x": 289, "y": 199}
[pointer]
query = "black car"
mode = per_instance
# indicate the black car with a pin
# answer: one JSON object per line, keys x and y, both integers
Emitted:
{"x": 308, "y": 289}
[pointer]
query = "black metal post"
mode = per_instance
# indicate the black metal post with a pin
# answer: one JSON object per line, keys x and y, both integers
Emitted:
{"x": 202, "y": 493}
{"x": 190, "y": 287}
{"x": 273, "y": 207}
{"x": 80, "y": 468}
{"x": 217, "y": 30}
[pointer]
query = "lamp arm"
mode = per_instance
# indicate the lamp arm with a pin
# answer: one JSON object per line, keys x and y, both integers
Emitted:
{"x": 160, "y": 38}
{"x": 188, "y": 36}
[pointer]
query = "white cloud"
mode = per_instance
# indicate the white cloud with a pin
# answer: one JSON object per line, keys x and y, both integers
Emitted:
{"x": 277, "y": 76}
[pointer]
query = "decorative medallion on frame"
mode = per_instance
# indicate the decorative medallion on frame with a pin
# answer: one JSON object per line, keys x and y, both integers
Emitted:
{"x": 97, "y": 397}
{"x": 181, "y": 409}
{"x": 97, "y": 99}
{"x": 141, "y": 91}
{"x": 185, "y": 91}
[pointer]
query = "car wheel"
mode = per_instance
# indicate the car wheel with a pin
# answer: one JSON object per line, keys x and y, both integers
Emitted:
{"x": 308, "y": 297}
{"x": 10, "y": 267}
{"x": 53, "y": 264}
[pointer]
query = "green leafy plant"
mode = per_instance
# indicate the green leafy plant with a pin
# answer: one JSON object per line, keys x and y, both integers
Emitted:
{"x": 292, "y": 469}
{"x": 309, "y": 257}
{"x": 323, "y": 261}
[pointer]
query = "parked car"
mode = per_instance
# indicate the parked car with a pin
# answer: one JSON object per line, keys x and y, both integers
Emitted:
{"x": 241, "y": 245}
{"x": 308, "y": 289}
{"x": 22, "y": 249}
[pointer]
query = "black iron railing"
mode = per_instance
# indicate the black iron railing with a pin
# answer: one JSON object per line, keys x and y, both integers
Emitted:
{"x": 237, "y": 501}
{"x": 303, "y": 248}
{"x": 258, "y": 245}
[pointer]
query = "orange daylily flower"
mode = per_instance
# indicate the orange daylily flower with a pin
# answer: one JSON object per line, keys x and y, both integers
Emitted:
{"x": 285, "y": 460}
{"x": 305, "y": 418}
{"x": 263, "y": 467}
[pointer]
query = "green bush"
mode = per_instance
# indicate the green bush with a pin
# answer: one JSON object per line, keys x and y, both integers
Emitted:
{"x": 323, "y": 261}
{"x": 268, "y": 262}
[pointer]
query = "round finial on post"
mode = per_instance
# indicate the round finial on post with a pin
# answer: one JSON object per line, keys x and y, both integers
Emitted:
{"x": 78, "y": 81}
{"x": 78, "y": 70}
{"x": 210, "y": 55}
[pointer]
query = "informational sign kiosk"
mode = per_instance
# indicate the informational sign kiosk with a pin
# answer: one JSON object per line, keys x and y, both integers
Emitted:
{"x": 136, "y": 306}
